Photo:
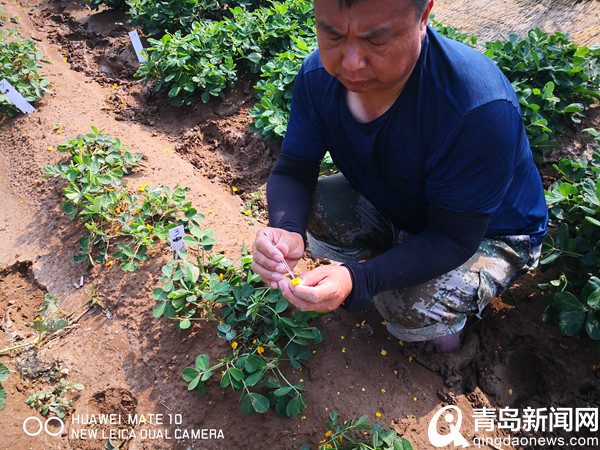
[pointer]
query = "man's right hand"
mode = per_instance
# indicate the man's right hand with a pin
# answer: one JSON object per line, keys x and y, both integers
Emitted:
{"x": 266, "y": 257}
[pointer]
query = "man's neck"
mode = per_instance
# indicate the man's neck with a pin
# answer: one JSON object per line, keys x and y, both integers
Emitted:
{"x": 368, "y": 106}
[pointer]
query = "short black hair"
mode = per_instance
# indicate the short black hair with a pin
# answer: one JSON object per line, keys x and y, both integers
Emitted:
{"x": 419, "y": 5}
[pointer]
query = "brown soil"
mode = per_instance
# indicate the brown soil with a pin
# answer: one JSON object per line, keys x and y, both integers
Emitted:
{"x": 131, "y": 363}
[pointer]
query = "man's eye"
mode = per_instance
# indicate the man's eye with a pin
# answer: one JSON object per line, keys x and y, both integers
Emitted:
{"x": 376, "y": 43}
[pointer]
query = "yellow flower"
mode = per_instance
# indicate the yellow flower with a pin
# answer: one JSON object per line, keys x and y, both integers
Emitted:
{"x": 50, "y": 149}
{"x": 328, "y": 433}
{"x": 329, "y": 446}
{"x": 116, "y": 229}
{"x": 234, "y": 345}
{"x": 260, "y": 350}
{"x": 248, "y": 212}
{"x": 383, "y": 352}
{"x": 109, "y": 263}
{"x": 220, "y": 276}
{"x": 58, "y": 131}
{"x": 234, "y": 189}
{"x": 210, "y": 211}
{"x": 378, "y": 414}
{"x": 115, "y": 86}
{"x": 342, "y": 337}
{"x": 296, "y": 281}
{"x": 415, "y": 399}
{"x": 382, "y": 391}
{"x": 323, "y": 441}
{"x": 410, "y": 358}
{"x": 363, "y": 389}
{"x": 344, "y": 350}
{"x": 37, "y": 319}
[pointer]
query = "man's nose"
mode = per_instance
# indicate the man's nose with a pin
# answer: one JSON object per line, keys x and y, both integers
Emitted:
{"x": 354, "y": 58}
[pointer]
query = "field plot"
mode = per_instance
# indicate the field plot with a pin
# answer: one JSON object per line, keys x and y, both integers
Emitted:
{"x": 104, "y": 348}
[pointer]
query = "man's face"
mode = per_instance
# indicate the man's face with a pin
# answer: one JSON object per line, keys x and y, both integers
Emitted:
{"x": 372, "y": 46}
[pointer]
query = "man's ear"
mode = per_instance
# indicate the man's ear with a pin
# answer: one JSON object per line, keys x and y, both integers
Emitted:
{"x": 425, "y": 18}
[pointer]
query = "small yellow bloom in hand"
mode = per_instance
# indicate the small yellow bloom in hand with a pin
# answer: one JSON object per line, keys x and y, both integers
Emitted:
{"x": 296, "y": 281}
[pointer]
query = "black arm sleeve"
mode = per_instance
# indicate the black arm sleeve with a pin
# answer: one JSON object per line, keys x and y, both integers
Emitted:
{"x": 451, "y": 239}
{"x": 289, "y": 190}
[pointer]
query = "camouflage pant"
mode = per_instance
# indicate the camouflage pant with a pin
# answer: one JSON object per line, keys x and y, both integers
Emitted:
{"x": 344, "y": 226}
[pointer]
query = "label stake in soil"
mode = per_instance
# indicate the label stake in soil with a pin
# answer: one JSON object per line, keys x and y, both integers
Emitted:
{"x": 15, "y": 97}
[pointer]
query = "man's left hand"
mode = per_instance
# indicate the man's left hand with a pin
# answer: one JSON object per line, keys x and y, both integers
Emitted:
{"x": 323, "y": 289}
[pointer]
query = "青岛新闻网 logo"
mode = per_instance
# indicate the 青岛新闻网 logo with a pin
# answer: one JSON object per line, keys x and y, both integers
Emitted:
{"x": 453, "y": 416}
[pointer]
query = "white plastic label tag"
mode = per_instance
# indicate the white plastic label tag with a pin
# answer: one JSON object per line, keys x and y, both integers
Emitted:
{"x": 176, "y": 235}
{"x": 137, "y": 45}
{"x": 15, "y": 97}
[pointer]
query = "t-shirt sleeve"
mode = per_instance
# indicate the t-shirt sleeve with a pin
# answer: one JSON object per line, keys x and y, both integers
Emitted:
{"x": 304, "y": 137}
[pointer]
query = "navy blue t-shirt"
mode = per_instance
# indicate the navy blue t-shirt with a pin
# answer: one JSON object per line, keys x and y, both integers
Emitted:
{"x": 454, "y": 139}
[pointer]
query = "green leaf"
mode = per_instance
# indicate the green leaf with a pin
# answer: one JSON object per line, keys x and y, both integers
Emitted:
{"x": 4, "y": 373}
{"x": 282, "y": 391}
{"x": 159, "y": 310}
{"x": 593, "y": 299}
{"x": 255, "y": 57}
{"x": 246, "y": 405}
{"x": 572, "y": 313}
{"x": 202, "y": 362}
{"x": 592, "y": 326}
{"x": 189, "y": 373}
{"x": 2, "y": 397}
{"x": 259, "y": 402}
{"x": 402, "y": 444}
{"x": 236, "y": 374}
{"x": 184, "y": 324}
{"x": 295, "y": 406}
{"x": 254, "y": 378}
{"x": 129, "y": 266}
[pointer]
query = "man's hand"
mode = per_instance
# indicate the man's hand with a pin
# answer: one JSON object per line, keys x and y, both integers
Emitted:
{"x": 323, "y": 289}
{"x": 266, "y": 257}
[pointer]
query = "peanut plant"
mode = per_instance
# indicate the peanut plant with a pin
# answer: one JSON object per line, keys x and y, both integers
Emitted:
{"x": 253, "y": 318}
{"x": 115, "y": 215}
{"x": 20, "y": 61}
{"x": 573, "y": 246}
